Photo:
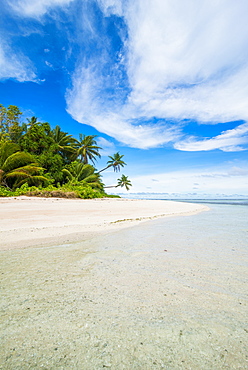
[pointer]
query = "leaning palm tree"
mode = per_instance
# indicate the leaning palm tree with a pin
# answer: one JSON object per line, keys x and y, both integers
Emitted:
{"x": 17, "y": 168}
{"x": 87, "y": 148}
{"x": 123, "y": 181}
{"x": 116, "y": 162}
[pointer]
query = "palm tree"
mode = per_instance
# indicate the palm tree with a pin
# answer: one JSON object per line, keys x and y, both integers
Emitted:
{"x": 79, "y": 172}
{"x": 123, "y": 181}
{"x": 66, "y": 143}
{"x": 32, "y": 121}
{"x": 17, "y": 168}
{"x": 87, "y": 148}
{"x": 116, "y": 162}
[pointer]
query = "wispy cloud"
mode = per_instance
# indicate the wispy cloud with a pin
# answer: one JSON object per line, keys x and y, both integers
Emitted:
{"x": 108, "y": 147}
{"x": 15, "y": 65}
{"x": 228, "y": 141}
{"x": 17, "y": 60}
{"x": 232, "y": 172}
{"x": 35, "y": 8}
{"x": 144, "y": 66}
{"x": 111, "y": 7}
{"x": 182, "y": 61}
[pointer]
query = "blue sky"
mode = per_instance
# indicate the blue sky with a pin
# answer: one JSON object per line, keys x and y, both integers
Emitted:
{"x": 165, "y": 82}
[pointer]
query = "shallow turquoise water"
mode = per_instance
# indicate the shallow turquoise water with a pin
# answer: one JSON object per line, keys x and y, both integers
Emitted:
{"x": 188, "y": 276}
{"x": 165, "y": 294}
{"x": 220, "y": 234}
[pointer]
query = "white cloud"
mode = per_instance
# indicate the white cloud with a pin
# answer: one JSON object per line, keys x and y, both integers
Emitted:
{"x": 228, "y": 141}
{"x": 15, "y": 66}
{"x": 103, "y": 114}
{"x": 48, "y": 64}
{"x": 184, "y": 60}
{"x": 35, "y": 8}
{"x": 189, "y": 59}
{"x": 111, "y": 7}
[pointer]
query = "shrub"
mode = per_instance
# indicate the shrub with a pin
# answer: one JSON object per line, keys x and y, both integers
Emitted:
{"x": 70, "y": 191}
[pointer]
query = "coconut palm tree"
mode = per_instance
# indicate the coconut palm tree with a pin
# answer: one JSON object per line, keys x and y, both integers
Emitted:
{"x": 78, "y": 172}
{"x": 17, "y": 168}
{"x": 87, "y": 148}
{"x": 32, "y": 121}
{"x": 116, "y": 162}
{"x": 123, "y": 181}
{"x": 66, "y": 143}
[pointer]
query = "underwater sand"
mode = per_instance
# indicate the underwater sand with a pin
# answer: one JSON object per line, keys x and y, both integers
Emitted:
{"x": 166, "y": 294}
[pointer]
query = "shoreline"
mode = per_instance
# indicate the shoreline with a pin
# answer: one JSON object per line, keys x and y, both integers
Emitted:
{"x": 35, "y": 222}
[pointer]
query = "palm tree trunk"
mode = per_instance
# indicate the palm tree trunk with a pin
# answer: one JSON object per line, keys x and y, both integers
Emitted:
{"x": 112, "y": 186}
{"x": 105, "y": 168}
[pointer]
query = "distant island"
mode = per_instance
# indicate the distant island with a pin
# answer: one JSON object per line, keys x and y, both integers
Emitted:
{"x": 37, "y": 160}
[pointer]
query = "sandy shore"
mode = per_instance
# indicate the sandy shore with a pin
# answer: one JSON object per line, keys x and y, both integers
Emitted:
{"x": 29, "y": 222}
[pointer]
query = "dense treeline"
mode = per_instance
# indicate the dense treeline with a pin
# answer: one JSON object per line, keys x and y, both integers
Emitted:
{"x": 36, "y": 159}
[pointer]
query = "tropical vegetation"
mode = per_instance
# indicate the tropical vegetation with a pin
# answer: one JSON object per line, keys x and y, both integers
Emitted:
{"x": 37, "y": 159}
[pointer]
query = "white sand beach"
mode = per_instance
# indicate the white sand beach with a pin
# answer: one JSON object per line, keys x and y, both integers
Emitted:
{"x": 30, "y": 221}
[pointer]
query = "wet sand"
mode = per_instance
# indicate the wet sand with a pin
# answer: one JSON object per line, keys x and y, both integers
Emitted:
{"x": 29, "y": 221}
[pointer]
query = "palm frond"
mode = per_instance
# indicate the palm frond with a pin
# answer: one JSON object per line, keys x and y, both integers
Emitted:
{"x": 31, "y": 181}
{"x": 16, "y": 160}
{"x": 67, "y": 174}
{"x": 6, "y": 150}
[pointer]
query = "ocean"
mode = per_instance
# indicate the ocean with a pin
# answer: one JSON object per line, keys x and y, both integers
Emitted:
{"x": 233, "y": 202}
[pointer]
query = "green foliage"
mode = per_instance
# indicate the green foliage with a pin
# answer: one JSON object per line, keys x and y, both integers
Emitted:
{"x": 112, "y": 196}
{"x": 17, "y": 168}
{"x": 10, "y": 124}
{"x": 64, "y": 191}
{"x": 4, "y": 192}
{"x": 78, "y": 172}
{"x": 116, "y": 161}
{"x": 87, "y": 148}
{"x": 7, "y": 149}
{"x": 83, "y": 191}
{"x": 37, "y": 139}
{"x": 66, "y": 144}
{"x": 53, "y": 163}
{"x": 33, "y": 156}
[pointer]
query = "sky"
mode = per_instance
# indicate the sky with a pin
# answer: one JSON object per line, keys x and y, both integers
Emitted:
{"x": 163, "y": 82}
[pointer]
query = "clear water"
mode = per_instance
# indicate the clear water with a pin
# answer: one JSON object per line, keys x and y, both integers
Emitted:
{"x": 165, "y": 294}
{"x": 199, "y": 264}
